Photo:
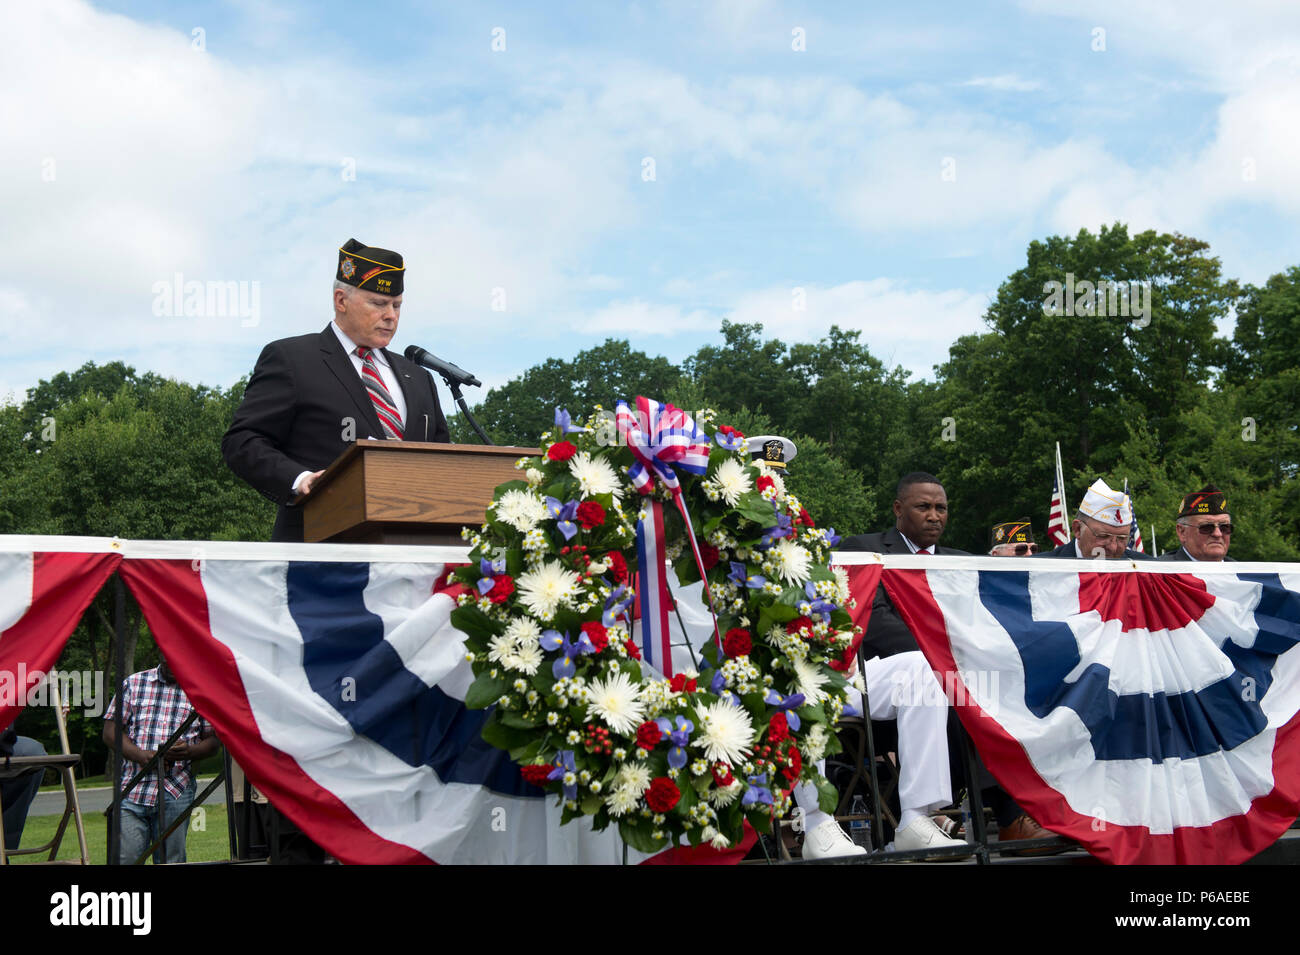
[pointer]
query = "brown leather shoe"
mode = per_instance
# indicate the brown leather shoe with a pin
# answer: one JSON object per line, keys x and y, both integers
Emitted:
{"x": 1025, "y": 827}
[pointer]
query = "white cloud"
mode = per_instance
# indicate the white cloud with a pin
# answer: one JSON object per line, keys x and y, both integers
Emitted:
{"x": 1004, "y": 82}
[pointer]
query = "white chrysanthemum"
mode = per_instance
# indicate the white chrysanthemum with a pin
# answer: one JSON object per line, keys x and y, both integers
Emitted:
{"x": 501, "y": 646}
{"x": 621, "y": 802}
{"x": 595, "y": 475}
{"x": 634, "y": 777}
{"x": 520, "y": 509}
{"x": 723, "y": 796}
{"x": 809, "y": 681}
{"x": 814, "y": 743}
{"x": 714, "y": 838}
{"x": 731, "y": 480}
{"x": 616, "y": 701}
{"x": 792, "y": 561}
{"x": 841, "y": 584}
{"x": 534, "y": 476}
{"x": 727, "y": 732}
{"x": 545, "y": 587}
{"x": 524, "y": 630}
{"x": 526, "y": 658}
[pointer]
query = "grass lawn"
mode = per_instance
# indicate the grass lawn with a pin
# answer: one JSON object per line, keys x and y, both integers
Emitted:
{"x": 209, "y": 844}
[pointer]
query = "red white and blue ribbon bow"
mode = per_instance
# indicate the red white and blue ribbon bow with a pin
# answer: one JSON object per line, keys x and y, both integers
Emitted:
{"x": 663, "y": 440}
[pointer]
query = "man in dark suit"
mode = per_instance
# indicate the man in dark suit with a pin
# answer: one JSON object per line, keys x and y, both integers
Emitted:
{"x": 1101, "y": 528}
{"x": 311, "y": 396}
{"x": 921, "y": 514}
{"x": 1204, "y": 527}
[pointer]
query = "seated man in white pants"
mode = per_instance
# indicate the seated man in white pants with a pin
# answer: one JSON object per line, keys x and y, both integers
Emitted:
{"x": 899, "y": 688}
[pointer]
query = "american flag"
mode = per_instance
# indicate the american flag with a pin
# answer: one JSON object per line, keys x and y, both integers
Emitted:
{"x": 1134, "y": 532}
{"x": 1057, "y": 529}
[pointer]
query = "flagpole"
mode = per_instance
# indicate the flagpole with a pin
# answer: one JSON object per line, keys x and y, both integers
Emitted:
{"x": 1155, "y": 548}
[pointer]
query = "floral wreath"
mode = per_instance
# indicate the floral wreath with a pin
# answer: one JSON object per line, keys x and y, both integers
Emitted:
{"x": 548, "y": 618}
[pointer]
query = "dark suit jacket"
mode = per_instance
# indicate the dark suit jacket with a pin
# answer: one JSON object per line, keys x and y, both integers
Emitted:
{"x": 886, "y": 633}
{"x": 1181, "y": 554}
{"x": 295, "y": 414}
{"x": 1068, "y": 552}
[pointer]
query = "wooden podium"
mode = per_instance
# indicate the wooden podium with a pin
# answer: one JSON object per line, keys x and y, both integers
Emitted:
{"x": 407, "y": 492}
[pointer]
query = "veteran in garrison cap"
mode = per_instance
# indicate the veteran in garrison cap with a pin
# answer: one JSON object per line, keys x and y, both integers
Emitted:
{"x": 1102, "y": 527}
{"x": 1013, "y": 539}
{"x": 311, "y": 396}
{"x": 1204, "y": 527}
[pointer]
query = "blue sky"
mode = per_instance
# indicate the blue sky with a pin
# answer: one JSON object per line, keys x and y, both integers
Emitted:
{"x": 515, "y": 181}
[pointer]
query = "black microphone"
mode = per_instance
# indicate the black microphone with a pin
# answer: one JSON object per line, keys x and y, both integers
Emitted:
{"x": 445, "y": 368}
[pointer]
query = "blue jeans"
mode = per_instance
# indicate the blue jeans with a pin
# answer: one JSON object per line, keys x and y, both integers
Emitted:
{"x": 140, "y": 828}
{"x": 17, "y": 793}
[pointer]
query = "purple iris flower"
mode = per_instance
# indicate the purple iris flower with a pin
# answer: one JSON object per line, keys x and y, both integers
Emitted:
{"x": 787, "y": 704}
{"x": 489, "y": 569}
{"x": 616, "y": 606}
{"x": 563, "y": 665}
{"x": 565, "y": 423}
{"x": 815, "y": 603}
{"x": 832, "y": 539}
{"x": 718, "y": 687}
{"x": 728, "y": 442}
{"x": 738, "y": 576}
{"x": 784, "y": 528}
{"x": 564, "y": 515}
{"x": 757, "y": 791}
{"x": 564, "y": 764}
{"x": 679, "y": 737}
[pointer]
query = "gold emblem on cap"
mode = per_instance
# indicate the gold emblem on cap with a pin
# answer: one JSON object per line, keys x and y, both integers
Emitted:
{"x": 348, "y": 268}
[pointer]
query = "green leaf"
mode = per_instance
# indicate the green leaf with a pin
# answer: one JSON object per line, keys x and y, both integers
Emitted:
{"x": 591, "y": 804}
{"x": 638, "y": 837}
{"x": 483, "y": 692}
{"x": 827, "y": 798}
{"x": 474, "y": 622}
{"x": 517, "y": 720}
{"x": 495, "y": 733}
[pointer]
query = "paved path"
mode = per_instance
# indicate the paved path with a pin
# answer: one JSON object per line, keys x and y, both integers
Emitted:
{"x": 98, "y": 799}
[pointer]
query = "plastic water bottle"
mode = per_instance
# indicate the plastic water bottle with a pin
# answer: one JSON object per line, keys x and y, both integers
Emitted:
{"x": 860, "y": 826}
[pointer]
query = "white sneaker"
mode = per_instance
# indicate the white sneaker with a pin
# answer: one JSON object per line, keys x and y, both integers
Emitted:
{"x": 829, "y": 841}
{"x": 922, "y": 833}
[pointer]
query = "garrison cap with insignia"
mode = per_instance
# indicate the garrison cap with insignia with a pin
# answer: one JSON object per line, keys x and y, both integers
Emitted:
{"x": 1208, "y": 500}
{"x": 773, "y": 450}
{"x": 1104, "y": 504}
{"x": 375, "y": 270}
{"x": 1012, "y": 532}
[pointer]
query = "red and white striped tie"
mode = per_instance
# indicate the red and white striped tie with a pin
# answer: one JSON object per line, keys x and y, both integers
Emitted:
{"x": 380, "y": 395}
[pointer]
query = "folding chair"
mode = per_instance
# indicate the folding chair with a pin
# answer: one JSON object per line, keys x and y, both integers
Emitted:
{"x": 63, "y": 762}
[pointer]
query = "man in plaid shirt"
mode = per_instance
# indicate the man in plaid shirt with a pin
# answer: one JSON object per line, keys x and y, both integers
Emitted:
{"x": 154, "y": 706}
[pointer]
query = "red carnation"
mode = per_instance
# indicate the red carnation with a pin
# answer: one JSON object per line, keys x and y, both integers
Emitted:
{"x": 536, "y": 774}
{"x": 805, "y": 518}
{"x": 561, "y": 450}
{"x": 617, "y": 566}
{"x": 737, "y": 643}
{"x": 777, "y": 728}
{"x": 764, "y": 482}
{"x": 732, "y": 433}
{"x": 590, "y": 514}
{"x": 847, "y": 657}
{"x": 722, "y": 774}
{"x": 800, "y": 626}
{"x": 648, "y": 735}
{"x": 662, "y": 794}
{"x": 680, "y": 683}
{"x": 791, "y": 772}
{"x": 632, "y": 649}
{"x": 502, "y": 587}
{"x": 597, "y": 634}
{"x": 708, "y": 556}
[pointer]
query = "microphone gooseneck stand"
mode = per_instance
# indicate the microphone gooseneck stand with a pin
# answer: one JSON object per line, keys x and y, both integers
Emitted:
{"x": 454, "y": 387}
